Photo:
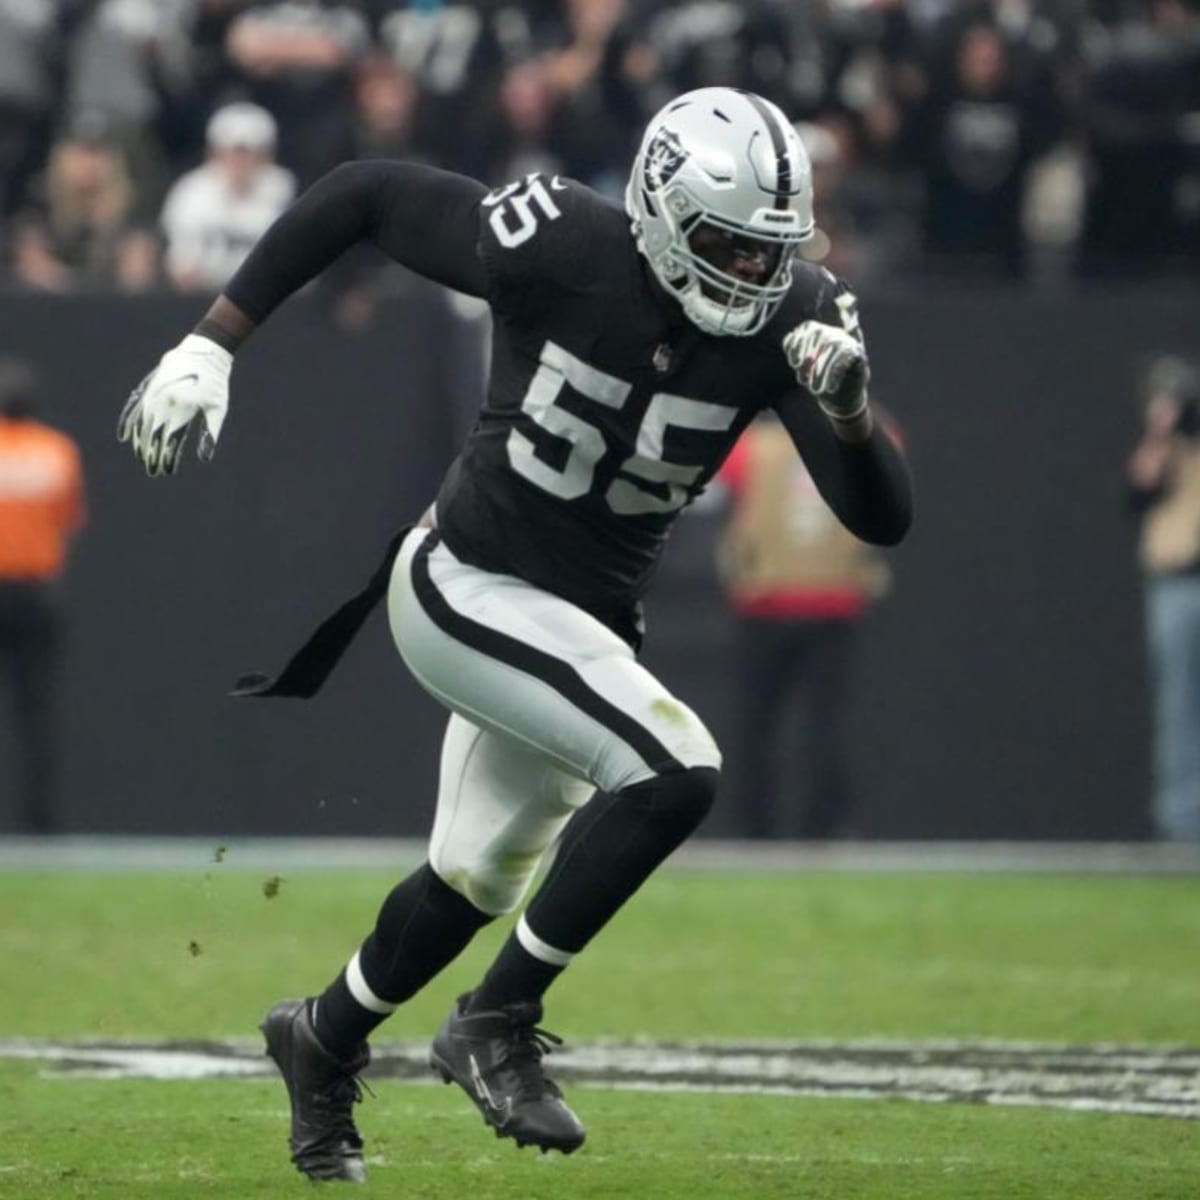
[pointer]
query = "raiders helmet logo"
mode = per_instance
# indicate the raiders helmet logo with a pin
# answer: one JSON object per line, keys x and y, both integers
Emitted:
{"x": 664, "y": 157}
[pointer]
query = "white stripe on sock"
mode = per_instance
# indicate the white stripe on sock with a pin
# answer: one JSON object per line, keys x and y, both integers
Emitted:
{"x": 538, "y": 948}
{"x": 362, "y": 993}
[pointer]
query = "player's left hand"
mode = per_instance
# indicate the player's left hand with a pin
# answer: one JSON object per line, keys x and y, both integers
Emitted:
{"x": 190, "y": 382}
{"x": 832, "y": 365}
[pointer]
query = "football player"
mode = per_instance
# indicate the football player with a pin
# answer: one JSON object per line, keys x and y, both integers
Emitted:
{"x": 631, "y": 348}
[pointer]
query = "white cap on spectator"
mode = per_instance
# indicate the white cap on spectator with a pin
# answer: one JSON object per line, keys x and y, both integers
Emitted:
{"x": 241, "y": 126}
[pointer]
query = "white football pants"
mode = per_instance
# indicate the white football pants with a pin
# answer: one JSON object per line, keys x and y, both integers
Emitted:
{"x": 546, "y": 705}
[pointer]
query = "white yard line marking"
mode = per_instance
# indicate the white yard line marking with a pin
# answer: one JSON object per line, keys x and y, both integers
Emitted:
{"x": 1143, "y": 1080}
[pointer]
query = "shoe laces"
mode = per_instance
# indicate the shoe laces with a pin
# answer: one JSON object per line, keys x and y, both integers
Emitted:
{"x": 335, "y": 1101}
{"x": 527, "y": 1046}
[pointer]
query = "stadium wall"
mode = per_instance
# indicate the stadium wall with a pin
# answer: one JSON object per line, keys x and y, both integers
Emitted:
{"x": 1002, "y": 684}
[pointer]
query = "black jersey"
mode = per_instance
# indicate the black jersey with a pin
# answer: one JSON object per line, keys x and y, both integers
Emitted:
{"x": 607, "y": 411}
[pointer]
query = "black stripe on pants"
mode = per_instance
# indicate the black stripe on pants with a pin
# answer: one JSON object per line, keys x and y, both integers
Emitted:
{"x": 559, "y": 675}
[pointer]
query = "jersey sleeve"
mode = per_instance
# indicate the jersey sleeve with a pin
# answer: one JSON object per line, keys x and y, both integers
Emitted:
{"x": 535, "y": 240}
{"x": 420, "y": 216}
{"x": 837, "y": 305}
{"x": 866, "y": 484}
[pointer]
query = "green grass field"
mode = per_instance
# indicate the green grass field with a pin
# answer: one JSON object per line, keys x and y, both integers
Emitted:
{"x": 698, "y": 955}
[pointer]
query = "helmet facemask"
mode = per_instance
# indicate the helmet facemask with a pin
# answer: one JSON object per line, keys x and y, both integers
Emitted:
{"x": 714, "y": 294}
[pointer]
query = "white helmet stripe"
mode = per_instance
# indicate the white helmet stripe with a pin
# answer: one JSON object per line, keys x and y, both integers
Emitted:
{"x": 783, "y": 164}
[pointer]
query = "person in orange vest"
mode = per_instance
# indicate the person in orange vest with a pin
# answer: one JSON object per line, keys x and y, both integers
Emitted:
{"x": 799, "y": 584}
{"x": 41, "y": 508}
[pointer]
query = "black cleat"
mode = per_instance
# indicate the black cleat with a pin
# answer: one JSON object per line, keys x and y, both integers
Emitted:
{"x": 495, "y": 1056}
{"x": 323, "y": 1089}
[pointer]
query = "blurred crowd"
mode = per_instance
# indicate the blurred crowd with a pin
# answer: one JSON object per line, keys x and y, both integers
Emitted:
{"x": 147, "y": 143}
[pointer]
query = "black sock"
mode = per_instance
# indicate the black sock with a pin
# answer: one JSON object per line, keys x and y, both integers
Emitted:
{"x": 423, "y": 925}
{"x": 607, "y": 851}
{"x": 514, "y": 975}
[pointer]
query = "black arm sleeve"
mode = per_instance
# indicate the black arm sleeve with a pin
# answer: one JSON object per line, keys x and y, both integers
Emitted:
{"x": 422, "y": 217}
{"x": 866, "y": 484}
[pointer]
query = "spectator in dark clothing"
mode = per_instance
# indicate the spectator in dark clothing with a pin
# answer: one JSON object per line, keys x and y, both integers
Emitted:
{"x": 702, "y": 43}
{"x": 561, "y": 104}
{"x": 297, "y": 60}
{"x": 594, "y": 128}
{"x": 28, "y": 42}
{"x": 454, "y": 54}
{"x": 204, "y": 81}
{"x": 36, "y": 37}
{"x": 519, "y": 138}
{"x": 1143, "y": 130}
{"x": 981, "y": 124}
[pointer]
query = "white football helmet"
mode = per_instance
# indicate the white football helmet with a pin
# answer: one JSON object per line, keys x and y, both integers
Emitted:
{"x": 729, "y": 163}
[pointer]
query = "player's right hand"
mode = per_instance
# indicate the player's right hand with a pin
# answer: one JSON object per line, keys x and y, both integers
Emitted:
{"x": 190, "y": 384}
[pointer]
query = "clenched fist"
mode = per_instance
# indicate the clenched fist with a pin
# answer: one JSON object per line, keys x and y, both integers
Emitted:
{"x": 832, "y": 365}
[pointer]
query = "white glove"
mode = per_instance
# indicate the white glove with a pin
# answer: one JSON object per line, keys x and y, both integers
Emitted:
{"x": 832, "y": 365}
{"x": 190, "y": 381}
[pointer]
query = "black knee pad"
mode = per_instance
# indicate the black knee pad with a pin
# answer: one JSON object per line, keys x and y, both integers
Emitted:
{"x": 611, "y": 846}
{"x": 676, "y": 800}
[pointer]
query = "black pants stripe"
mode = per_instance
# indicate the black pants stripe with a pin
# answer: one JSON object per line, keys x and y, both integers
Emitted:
{"x": 561, "y": 676}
